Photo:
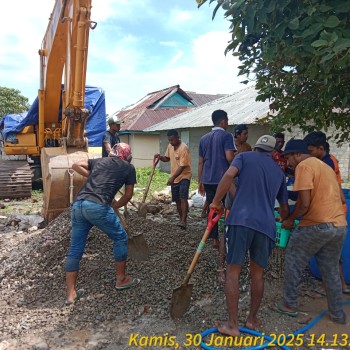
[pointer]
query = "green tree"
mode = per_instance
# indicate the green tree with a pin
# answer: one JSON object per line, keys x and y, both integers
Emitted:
{"x": 298, "y": 53}
{"x": 11, "y": 101}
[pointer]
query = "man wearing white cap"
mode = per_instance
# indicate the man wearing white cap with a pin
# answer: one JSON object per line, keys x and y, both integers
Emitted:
{"x": 250, "y": 226}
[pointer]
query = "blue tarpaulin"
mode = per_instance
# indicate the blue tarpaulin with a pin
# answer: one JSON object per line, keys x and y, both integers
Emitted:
{"x": 95, "y": 126}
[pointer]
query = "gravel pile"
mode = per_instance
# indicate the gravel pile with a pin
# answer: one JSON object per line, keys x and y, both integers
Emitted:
{"x": 32, "y": 283}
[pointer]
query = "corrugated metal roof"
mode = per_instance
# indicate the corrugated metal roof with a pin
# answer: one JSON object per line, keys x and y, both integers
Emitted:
{"x": 140, "y": 116}
{"x": 241, "y": 108}
{"x": 201, "y": 99}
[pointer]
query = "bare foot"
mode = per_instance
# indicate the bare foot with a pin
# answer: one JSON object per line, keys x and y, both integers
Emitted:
{"x": 252, "y": 324}
{"x": 225, "y": 328}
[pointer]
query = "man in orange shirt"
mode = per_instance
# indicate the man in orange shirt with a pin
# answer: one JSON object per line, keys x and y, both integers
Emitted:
{"x": 320, "y": 233}
{"x": 319, "y": 148}
{"x": 180, "y": 173}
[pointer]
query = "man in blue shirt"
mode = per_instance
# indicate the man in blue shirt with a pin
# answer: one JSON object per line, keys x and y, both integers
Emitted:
{"x": 251, "y": 224}
{"x": 216, "y": 152}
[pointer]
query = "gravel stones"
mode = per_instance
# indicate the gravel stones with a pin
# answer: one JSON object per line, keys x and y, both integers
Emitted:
{"x": 32, "y": 281}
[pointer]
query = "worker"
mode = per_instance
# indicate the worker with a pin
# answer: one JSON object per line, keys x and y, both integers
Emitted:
{"x": 216, "y": 152}
{"x": 240, "y": 138}
{"x": 94, "y": 207}
{"x": 111, "y": 137}
{"x": 250, "y": 225}
{"x": 319, "y": 148}
{"x": 321, "y": 231}
{"x": 277, "y": 154}
{"x": 178, "y": 154}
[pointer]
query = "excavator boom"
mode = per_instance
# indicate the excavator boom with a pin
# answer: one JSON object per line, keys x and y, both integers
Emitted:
{"x": 59, "y": 136}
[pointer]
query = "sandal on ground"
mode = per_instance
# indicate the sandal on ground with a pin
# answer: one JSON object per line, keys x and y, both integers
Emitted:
{"x": 80, "y": 293}
{"x": 313, "y": 294}
{"x": 320, "y": 291}
{"x": 134, "y": 282}
{"x": 276, "y": 307}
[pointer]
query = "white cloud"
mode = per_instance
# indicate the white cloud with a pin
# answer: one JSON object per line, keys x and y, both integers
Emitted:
{"x": 168, "y": 43}
{"x": 179, "y": 45}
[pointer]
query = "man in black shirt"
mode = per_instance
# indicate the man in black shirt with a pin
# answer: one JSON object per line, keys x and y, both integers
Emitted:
{"x": 110, "y": 137}
{"x": 94, "y": 207}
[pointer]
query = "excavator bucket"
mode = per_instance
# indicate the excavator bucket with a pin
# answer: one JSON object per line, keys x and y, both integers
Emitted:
{"x": 61, "y": 183}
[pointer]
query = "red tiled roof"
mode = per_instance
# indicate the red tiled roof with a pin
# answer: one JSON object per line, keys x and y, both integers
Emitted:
{"x": 140, "y": 116}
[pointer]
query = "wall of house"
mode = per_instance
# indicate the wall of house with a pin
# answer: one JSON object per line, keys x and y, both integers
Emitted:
{"x": 342, "y": 153}
{"x": 143, "y": 146}
{"x": 192, "y": 136}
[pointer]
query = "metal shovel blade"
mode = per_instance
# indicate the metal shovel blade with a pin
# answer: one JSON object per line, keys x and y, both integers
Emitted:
{"x": 138, "y": 247}
{"x": 142, "y": 211}
{"x": 180, "y": 300}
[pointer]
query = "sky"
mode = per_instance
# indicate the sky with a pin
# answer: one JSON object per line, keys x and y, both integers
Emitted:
{"x": 138, "y": 46}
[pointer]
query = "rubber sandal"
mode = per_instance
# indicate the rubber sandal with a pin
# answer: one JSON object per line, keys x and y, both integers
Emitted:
{"x": 134, "y": 282}
{"x": 278, "y": 309}
{"x": 313, "y": 294}
{"x": 80, "y": 293}
{"x": 320, "y": 291}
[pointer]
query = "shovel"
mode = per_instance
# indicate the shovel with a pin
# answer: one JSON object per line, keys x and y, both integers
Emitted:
{"x": 142, "y": 211}
{"x": 181, "y": 298}
{"x": 137, "y": 245}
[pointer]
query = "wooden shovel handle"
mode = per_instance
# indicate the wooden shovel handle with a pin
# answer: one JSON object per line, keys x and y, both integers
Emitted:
{"x": 121, "y": 218}
{"x": 155, "y": 162}
{"x": 211, "y": 223}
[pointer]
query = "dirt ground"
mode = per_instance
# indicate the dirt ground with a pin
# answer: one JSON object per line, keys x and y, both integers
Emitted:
{"x": 32, "y": 294}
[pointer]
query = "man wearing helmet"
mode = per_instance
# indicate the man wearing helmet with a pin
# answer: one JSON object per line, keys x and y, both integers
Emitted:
{"x": 110, "y": 137}
{"x": 94, "y": 207}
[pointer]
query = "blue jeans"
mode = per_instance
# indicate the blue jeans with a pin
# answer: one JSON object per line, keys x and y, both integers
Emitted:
{"x": 86, "y": 214}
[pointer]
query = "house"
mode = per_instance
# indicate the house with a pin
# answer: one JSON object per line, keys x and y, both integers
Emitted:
{"x": 241, "y": 107}
{"x": 154, "y": 108}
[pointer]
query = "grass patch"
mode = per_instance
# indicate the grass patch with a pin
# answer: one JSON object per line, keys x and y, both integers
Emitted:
{"x": 159, "y": 181}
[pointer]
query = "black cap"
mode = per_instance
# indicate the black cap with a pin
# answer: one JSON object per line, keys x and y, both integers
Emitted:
{"x": 239, "y": 128}
{"x": 295, "y": 146}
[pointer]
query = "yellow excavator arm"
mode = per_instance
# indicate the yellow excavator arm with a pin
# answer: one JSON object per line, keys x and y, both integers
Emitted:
{"x": 59, "y": 136}
{"x": 63, "y": 56}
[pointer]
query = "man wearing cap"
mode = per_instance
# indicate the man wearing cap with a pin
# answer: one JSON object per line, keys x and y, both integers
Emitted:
{"x": 250, "y": 224}
{"x": 319, "y": 147}
{"x": 240, "y": 138}
{"x": 320, "y": 233}
{"x": 110, "y": 137}
{"x": 94, "y": 207}
{"x": 216, "y": 151}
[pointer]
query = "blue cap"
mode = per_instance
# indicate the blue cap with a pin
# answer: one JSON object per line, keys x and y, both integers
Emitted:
{"x": 295, "y": 146}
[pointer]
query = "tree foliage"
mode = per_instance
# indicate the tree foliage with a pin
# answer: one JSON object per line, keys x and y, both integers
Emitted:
{"x": 298, "y": 52}
{"x": 12, "y": 102}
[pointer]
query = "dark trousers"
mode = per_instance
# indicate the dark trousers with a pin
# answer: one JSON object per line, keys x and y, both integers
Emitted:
{"x": 210, "y": 191}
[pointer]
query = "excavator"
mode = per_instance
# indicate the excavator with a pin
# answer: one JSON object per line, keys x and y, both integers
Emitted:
{"x": 59, "y": 137}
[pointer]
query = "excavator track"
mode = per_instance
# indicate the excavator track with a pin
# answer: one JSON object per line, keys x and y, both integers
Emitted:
{"x": 15, "y": 179}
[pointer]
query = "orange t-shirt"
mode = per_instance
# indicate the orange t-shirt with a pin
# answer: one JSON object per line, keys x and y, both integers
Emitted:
{"x": 336, "y": 168}
{"x": 337, "y": 172}
{"x": 325, "y": 204}
{"x": 179, "y": 157}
